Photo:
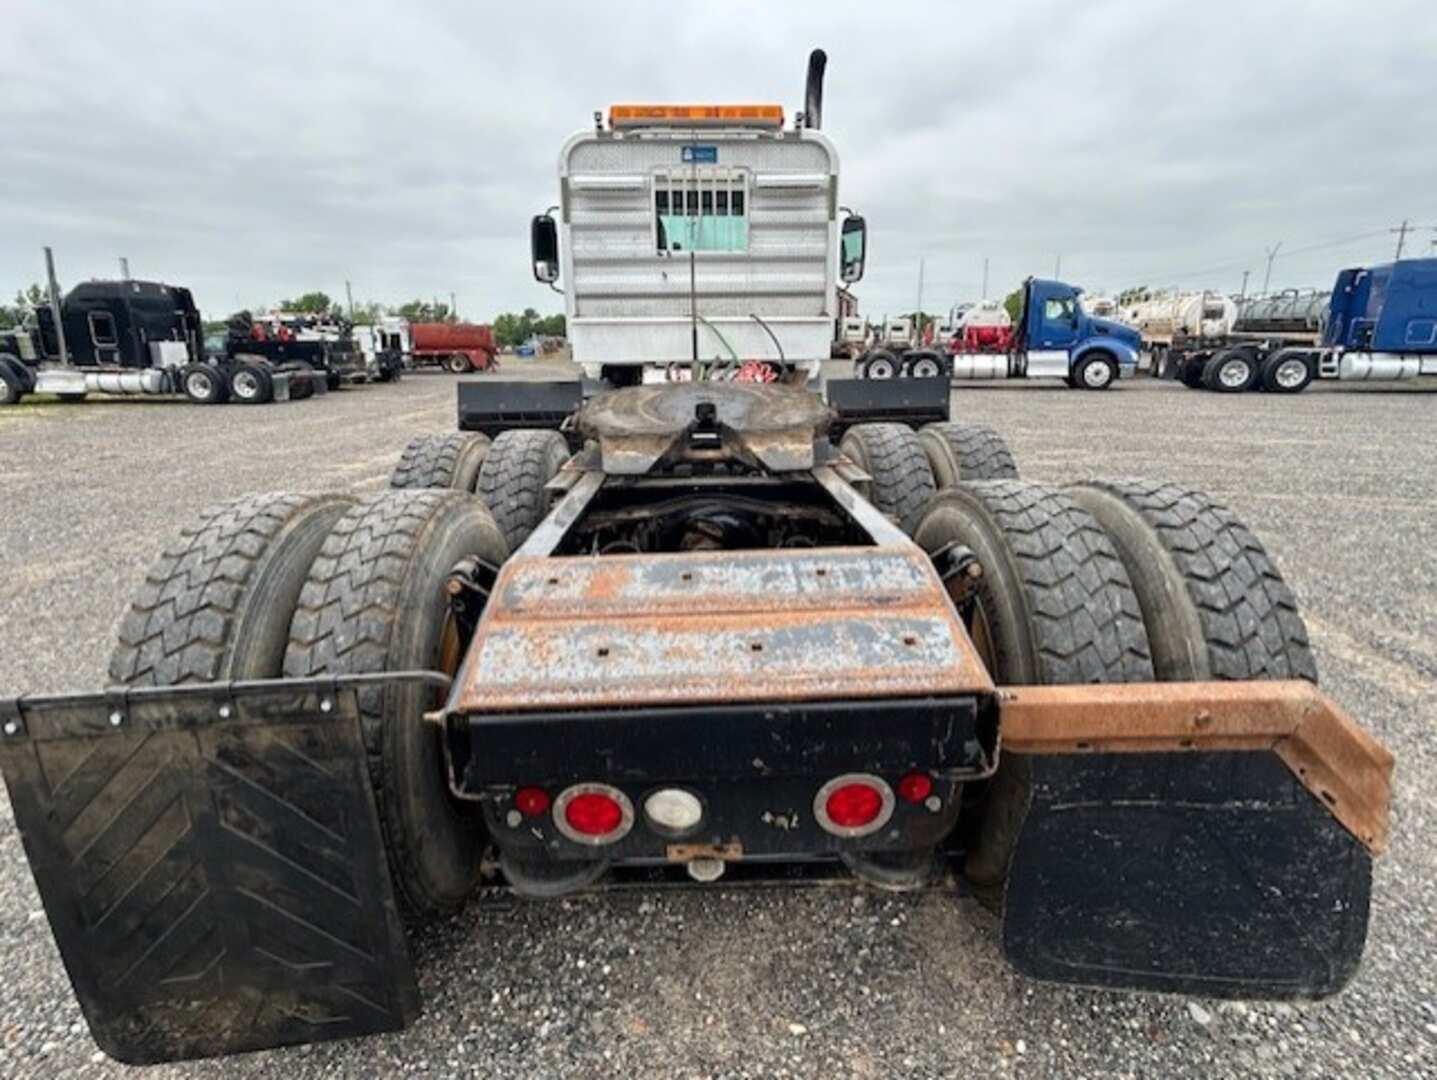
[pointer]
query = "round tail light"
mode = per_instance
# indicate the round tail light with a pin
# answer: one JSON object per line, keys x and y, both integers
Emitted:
{"x": 593, "y": 814}
{"x": 915, "y": 787}
{"x": 854, "y": 804}
{"x": 531, "y": 801}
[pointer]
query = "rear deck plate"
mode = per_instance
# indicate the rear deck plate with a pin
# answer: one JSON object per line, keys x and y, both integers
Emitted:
{"x": 731, "y": 626}
{"x": 215, "y": 882}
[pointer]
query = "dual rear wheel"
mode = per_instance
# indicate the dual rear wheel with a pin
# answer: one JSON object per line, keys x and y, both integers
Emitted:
{"x": 291, "y": 585}
{"x": 1106, "y": 581}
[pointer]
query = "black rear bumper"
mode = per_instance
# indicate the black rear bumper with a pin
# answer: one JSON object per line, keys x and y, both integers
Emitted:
{"x": 756, "y": 768}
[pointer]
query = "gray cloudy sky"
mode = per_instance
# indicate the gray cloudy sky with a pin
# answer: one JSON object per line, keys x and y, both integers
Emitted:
{"x": 256, "y": 150}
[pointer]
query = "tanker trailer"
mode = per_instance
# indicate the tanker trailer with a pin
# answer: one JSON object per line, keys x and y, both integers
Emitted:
{"x": 1168, "y": 318}
{"x": 457, "y": 347}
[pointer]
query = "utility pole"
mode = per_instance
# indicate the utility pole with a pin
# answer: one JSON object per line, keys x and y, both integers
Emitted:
{"x": 1401, "y": 231}
{"x": 453, "y": 308}
{"x": 1058, "y": 267}
{"x": 1271, "y": 254}
{"x": 124, "y": 268}
{"x": 349, "y": 295}
{"x": 919, "y": 313}
{"x": 984, "y": 295}
{"x": 1243, "y": 294}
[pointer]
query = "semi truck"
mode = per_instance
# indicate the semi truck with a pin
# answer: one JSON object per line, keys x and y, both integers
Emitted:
{"x": 1053, "y": 337}
{"x": 131, "y": 338}
{"x": 320, "y": 347}
{"x": 721, "y": 252}
{"x": 685, "y": 630}
{"x": 1380, "y": 324}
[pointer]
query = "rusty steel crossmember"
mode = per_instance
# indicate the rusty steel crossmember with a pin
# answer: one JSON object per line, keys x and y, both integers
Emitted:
{"x": 1343, "y": 766}
{"x": 717, "y": 627}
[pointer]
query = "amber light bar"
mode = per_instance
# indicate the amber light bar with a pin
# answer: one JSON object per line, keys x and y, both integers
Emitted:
{"x": 760, "y": 116}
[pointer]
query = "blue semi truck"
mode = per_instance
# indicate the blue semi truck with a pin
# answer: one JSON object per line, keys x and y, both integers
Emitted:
{"x": 1053, "y": 338}
{"x": 1380, "y": 325}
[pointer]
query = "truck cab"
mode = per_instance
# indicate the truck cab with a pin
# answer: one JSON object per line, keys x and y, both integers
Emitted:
{"x": 1059, "y": 339}
{"x": 698, "y": 234}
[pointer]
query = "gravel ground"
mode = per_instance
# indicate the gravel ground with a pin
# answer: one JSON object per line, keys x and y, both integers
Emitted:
{"x": 837, "y": 981}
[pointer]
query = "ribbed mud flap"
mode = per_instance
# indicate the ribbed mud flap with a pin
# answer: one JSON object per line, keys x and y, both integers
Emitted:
{"x": 1211, "y": 873}
{"x": 211, "y": 864}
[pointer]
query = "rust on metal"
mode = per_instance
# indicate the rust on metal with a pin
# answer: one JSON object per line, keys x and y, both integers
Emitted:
{"x": 732, "y": 851}
{"x": 1343, "y": 766}
{"x": 717, "y": 627}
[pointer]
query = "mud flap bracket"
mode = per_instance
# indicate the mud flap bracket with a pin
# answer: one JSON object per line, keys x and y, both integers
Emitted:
{"x": 211, "y": 864}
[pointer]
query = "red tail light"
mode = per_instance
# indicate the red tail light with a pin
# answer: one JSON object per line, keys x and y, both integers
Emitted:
{"x": 593, "y": 814}
{"x": 531, "y": 801}
{"x": 915, "y": 787}
{"x": 855, "y": 804}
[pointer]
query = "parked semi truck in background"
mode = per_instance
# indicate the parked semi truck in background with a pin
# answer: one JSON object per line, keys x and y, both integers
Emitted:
{"x": 1380, "y": 324}
{"x": 131, "y": 338}
{"x": 1053, "y": 337}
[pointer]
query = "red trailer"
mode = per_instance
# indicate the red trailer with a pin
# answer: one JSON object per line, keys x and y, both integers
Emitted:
{"x": 459, "y": 347}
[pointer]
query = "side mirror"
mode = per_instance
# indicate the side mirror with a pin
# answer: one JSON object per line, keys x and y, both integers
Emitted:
{"x": 853, "y": 248}
{"x": 544, "y": 248}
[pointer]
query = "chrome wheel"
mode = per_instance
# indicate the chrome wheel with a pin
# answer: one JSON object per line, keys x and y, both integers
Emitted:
{"x": 880, "y": 369}
{"x": 1290, "y": 374}
{"x": 925, "y": 368}
{"x": 246, "y": 385}
{"x": 1235, "y": 373}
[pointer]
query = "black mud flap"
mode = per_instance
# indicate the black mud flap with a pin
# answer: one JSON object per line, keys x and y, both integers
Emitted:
{"x": 905, "y": 401}
{"x": 492, "y": 406}
{"x": 1212, "y": 873}
{"x": 211, "y": 863}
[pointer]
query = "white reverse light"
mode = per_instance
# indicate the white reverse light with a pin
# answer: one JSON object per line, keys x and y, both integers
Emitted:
{"x": 673, "y": 809}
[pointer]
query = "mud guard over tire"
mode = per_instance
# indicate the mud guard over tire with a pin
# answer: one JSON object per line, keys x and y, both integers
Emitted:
{"x": 210, "y": 861}
{"x": 1190, "y": 865}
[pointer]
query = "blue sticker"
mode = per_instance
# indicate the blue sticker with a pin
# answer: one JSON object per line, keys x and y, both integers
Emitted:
{"x": 700, "y": 155}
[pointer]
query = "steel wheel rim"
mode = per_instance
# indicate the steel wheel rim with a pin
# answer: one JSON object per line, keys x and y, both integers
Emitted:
{"x": 246, "y": 385}
{"x": 1097, "y": 375}
{"x": 199, "y": 384}
{"x": 880, "y": 369}
{"x": 1234, "y": 373}
{"x": 1290, "y": 373}
{"x": 925, "y": 369}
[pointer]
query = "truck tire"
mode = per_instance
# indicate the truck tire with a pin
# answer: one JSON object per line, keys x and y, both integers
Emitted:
{"x": 458, "y": 364}
{"x": 961, "y": 452}
{"x": 250, "y": 384}
{"x": 361, "y": 613}
{"x": 1231, "y": 371}
{"x": 512, "y": 478}
{"x": 1288, "y": 371}
{"x": 302, "y": 378}
{"x": 1095, "y": 371}
{"x": 451, "y": 460}
{"x": 216, "y": 604}
{"x": 203, "y": 384}
{"x": 1214, "y": 604}
{"x": 1054, "y": 606}
{"x": 923, "y": 364}
{"x": 12, "y": 388}
{"x": 1190, "y": 371}
{"x": 879, "y": 364}
{"x": 902, "y": 482}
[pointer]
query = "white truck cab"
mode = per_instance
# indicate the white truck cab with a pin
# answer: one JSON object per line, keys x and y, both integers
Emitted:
{"x": 702, "y": 234}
